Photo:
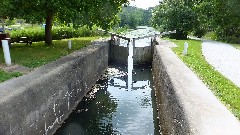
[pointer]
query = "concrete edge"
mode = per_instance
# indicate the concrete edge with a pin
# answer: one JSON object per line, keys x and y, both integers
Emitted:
{"x": 41, "y": 72}
{"x": 186, "y": 105}
{"x": 22, "y": 113}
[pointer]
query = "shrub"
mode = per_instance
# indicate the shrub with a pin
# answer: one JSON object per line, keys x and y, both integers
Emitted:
{"x": 58, "y": 33}
{"x": 199, "y": 32}
{"x": 211, "y": 35}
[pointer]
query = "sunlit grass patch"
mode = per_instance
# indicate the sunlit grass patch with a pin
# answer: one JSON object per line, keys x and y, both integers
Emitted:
{"x": 6, "y": 76}
{"x": 39, "y": 54}
{"x": 223, "y": 88}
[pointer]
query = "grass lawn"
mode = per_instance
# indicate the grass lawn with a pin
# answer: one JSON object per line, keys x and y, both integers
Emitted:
{"x": 38, "y": 54}
{"x": 223, "y": 88}
{"x": 5, "y": 76}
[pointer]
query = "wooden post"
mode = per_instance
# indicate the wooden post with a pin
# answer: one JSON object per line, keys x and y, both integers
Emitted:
{"x": 112, "y": 39}
{"x": 134, "y": 42}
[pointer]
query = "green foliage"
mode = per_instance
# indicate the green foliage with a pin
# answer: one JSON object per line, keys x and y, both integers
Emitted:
{"x": 175, "y": 15}
{"x": 6, "y": 76}
{"x": 222, "y": 17}
{"x": 38, "y": 54}
{"x": 210, "y": 35}
{"x": 199, "y": 32}
{"x": 226, "y": 22}
{"x": 97, "y": 12}
{"x": 6, "y": 5}
{"x": 200, "y": 17}
{"x": 9, "y": 22}
{"x": 132, "y": 17}
{"x": 84, "y": 12}
{"x": 37, "y": 33}
{"x": 203, "y": 17}
{"x": 223, "y": 88}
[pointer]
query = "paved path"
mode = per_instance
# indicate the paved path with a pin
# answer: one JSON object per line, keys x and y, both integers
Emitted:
{"x": 224, "y": 58}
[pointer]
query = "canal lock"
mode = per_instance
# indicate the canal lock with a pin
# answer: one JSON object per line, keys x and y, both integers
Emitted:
{"x": 123, "y": 100}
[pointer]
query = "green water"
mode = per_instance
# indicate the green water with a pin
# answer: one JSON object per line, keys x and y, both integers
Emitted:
{"x": 112, "y": 108}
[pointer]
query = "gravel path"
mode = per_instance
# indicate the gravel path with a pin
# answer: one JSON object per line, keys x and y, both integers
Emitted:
{"x": 224, "y": 58}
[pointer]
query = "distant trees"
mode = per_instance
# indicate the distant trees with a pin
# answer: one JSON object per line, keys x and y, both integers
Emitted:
{"x": 132, "y": 17}
{"x": 199, "y": 17}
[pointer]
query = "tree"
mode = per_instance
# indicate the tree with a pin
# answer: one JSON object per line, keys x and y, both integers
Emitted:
{"x": 200, "y": 16}
{"x": 222, "y": 17}
{"x": 6, "y": 6}
{"x": 132, "y": 17}
{"x": 147, "y": 15}
{"x": 175, "y": 15}
{"x": 93, "y": 11}
{"x": 226, "y": 21}
{"x": 235, "y": 7}
{"x": 129, "y": 17}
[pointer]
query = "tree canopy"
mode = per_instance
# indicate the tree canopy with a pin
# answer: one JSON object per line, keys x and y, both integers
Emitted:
{"x": 98, "y": 12}
{"x": 175, "y": 15}
{"x": 199, "y": 17}
{"x": 225, "y": 19}
{"x": 6, "y": 5}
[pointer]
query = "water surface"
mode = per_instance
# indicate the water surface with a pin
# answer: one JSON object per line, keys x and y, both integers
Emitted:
{"x": 111, "y": 108}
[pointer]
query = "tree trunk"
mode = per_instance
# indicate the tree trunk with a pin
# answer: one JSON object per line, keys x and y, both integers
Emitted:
{"x": 2, "y": 20}
{"x": 48, "y": 28}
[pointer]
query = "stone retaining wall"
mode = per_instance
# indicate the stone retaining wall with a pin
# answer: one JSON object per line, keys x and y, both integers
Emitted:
{"x": 36, "y": 103}
{"x": 185, "y": 104}
{"x": 119, "y": 54}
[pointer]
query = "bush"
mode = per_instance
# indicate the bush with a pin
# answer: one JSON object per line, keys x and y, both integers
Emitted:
{"x": 211, "y": 35}
{"x": 37, "y": 34}
{"x": 58, "y": 33}
{"x": 199, "y": 32}
{"x": 228, "y": 34}
{"x": 179, "y": 35}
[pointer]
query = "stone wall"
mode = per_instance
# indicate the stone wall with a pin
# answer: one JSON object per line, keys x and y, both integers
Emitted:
{"x": 142, "y": 55}
{"x": 185, "y": 104}
{"x": 37, "y": 103}
{"x": 119, "y": 54}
